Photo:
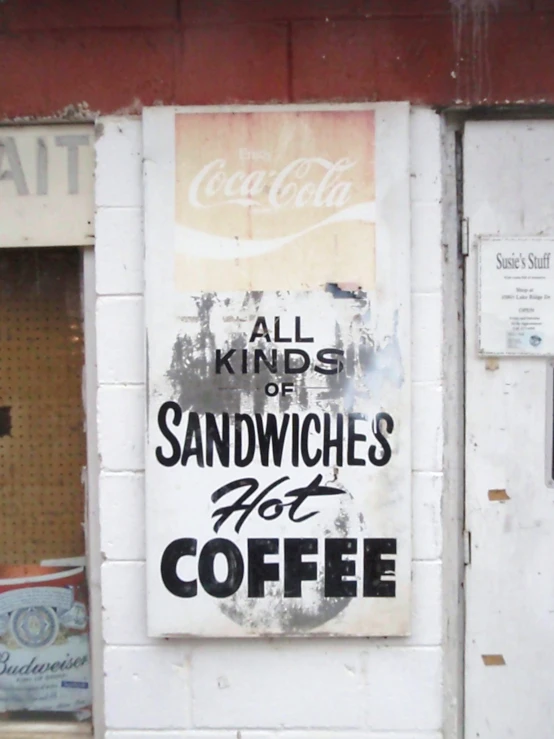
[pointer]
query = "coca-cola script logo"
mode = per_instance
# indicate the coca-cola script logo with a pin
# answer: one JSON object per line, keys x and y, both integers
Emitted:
{"x": 294, "y": 189}
{"x": 304, "y": 182}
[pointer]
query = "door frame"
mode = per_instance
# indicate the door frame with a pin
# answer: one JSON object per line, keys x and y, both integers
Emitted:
{"x": 456, "y": 553}
{"x": 453, "y": 494}
{"x": 90, "y": 475}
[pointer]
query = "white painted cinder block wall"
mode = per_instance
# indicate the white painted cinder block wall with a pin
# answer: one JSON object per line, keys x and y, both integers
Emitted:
{"x": 256, "y": 689}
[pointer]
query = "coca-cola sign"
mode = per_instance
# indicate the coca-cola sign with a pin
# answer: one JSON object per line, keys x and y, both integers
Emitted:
{"x": 303, "y": 183}
{"x": 252, "y": 196}
{"x": 278, "y": 458}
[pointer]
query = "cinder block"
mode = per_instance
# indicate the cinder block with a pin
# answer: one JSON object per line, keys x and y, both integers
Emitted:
{"x": 426, "y": 515}
{"x": 267, "y": 690}
{"x": 425, "y": 155}
{"x": 427, "y": 250}
{"x": 299, "y": 684}
{"x": 427, "y": 343}
{"x": 404, "y": 689}
{"x": 119, "y": 251}
{"x": 147, "y": 687}
{"x": 426, "y": 604}
{"x": 120, "y": 340}
{"x": 118, "y": 177}
{"x": 121, "y": 428}
{"x": 124, "y": 603}
{"x": 122, "y": 505}
{"x": 427, "y": 427}
{"x": 426, "y": 622}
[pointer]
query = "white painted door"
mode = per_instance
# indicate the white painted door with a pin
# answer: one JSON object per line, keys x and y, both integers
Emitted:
{"x": 509, "y": 192}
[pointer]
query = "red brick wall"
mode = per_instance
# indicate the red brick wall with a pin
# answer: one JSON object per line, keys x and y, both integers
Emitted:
{"x": 115, "y": 55}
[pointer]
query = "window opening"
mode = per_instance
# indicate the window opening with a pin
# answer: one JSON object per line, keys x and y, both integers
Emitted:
{"x": 44, "y": 637}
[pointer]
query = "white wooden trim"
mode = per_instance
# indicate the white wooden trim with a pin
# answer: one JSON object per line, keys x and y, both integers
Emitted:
{"x": 16, "y": 729}
{"x": 453, "y": 605}
{"x": 47, "y": 730}
{"x": 94, "y": 556}
{"x": 50, "y": 201}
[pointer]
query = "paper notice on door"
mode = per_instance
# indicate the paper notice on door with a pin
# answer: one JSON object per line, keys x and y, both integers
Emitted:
{"x": 516, "y": 296}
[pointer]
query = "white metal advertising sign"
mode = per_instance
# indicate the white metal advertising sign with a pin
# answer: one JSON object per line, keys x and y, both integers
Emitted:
{"x": 278, "y": 316}
{"x": 46, "y": 185}
{"x": 516, "y": 296}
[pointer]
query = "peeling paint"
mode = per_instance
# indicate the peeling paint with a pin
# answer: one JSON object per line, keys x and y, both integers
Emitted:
{"x": 272, "y": 614}
{"x": 73, "y": 113}
{"x": 297, "y": 615}
{"x": 493, "y": 660}
{"x": 498, "y": 496}
{"x": 492, "y": 364}
{"x": 368, "y": 366}
{"x": 191, "y": 373}
{"x": 345, "y": 290}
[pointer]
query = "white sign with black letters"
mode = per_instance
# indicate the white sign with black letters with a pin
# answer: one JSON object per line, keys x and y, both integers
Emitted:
{"x": 46, "y": 185}
{"x": 277, "y": 309}
{"x": 516, "y": 296}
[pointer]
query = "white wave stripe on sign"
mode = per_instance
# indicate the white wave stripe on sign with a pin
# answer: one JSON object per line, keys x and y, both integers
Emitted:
{"x": 200, "y": 245}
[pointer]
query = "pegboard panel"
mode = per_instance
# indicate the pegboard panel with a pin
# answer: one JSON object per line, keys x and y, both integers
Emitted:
{"x": 42, "y": 439}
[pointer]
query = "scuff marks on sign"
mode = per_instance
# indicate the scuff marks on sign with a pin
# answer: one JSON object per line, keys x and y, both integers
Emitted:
{"x": 368, "y": 365}
{"x": 316, "y": 607}
{"x": 382, "y": 363}
{"x": 190, "y": 370}
{"x": 220, "y": 364}
{"x": 216, "y": 371}
{"x": 345, "y": 290}
{"x": 273, "y": 615}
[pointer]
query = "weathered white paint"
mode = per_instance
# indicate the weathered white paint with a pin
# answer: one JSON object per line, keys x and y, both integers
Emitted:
{"x": 452, "y": 503}
{"x": 46, "y": 199}
{"x": 46, "y": 185}
{"x": 92, "y": 513}
{"x": 377, "y": 688}
{"x": 508, "y": 192}
{"x": 303, "y": 258}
